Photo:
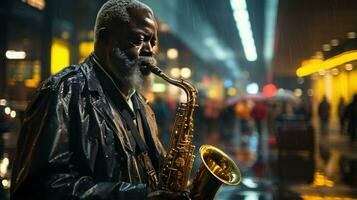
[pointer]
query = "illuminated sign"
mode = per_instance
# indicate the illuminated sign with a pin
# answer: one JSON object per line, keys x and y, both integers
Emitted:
{"x": 269, "y": 90}
{"x": 39, "y": 4}
{"x": 85, "y": 48}
{"x": 59, "y": 55}
{"x": 252, "y": 88}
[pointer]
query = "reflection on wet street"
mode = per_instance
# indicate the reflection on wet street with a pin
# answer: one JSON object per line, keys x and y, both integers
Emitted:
{"x": 267, "y": 175}
{"x": 275, "y": 166}
{"x": 290, "y": 162}
{"x": 328, "y": 171}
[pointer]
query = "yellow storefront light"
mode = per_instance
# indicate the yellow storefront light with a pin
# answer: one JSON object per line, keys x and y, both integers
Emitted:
{"x": 39, "y": 4}
{"x": 185, "y": 72}
{"x": 326, "y": 47}
{"x": 7, "y": 110}
{"x": 3, "y": 102}
{"x": 172, "y": 53}
{"x": 231, "y": 91}
{"x": 311, "y": 66}
{"x": 175, "y": 72}
{"x": 349, "y": 67}
{"x": 334, "y": 42}
{"x": 335, "y": 71}
{"x": 59, "y": 55}
{"x": 159, "y": 87}
{"x": 5, "y": 183}
{"x": 319, "y": 197}
{"x": 85, "y": 48}
{"x": 322, "y": 73}
{"x": 351, "y": 35}
{"x": 298, "y": 92}
{"x": 35, "y": 80}
{"x": 340, "y": 59}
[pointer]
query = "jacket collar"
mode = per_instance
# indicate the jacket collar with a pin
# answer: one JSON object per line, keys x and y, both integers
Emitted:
{"x": 88, "y": 68}
{"x": 101, "y": 104}
{"x": 89, "y": 72}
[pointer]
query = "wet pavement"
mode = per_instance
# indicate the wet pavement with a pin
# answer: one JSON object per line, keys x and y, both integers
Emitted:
{"x": 331, "y": 173}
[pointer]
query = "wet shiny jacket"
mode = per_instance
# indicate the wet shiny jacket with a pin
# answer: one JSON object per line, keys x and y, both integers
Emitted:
{"x": 69, "y": 146}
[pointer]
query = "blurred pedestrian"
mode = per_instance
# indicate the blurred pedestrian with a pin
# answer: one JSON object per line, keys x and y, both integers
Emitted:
{"x": 340, "y": 111}
{"x": 324, "y": 115}
{"x": 259, "y": 114}
{"x": 272, "y": 113}
{"x": 211, "y": 113}
{"x": 287, "y": 112}
{"x": 227, "y": 122}
{"x": 242, "y": 111}
{"x": 304, "y": 109}
{"x": 350, "y": 115}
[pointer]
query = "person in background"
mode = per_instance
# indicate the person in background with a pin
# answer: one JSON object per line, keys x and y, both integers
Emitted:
{"x": 304, "y": 109}
{"x": 259, "y": 114}
{"x": 272, "y": 113}
{"x": 242, "y": 111}
{"x": 211, "y": 113}
{"x": 340, "y": 111}
{"x": 287, "y": 112}
{"x": 350, "y": 115}
{"x": 324, "y": 115}
{"x": 227, "y": 122}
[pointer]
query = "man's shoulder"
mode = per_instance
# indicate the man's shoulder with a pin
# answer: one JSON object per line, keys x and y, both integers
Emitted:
{"x": 69, "y": 75}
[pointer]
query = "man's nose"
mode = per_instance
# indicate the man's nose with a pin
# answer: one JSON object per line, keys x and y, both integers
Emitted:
{"x": 147, "y": 49}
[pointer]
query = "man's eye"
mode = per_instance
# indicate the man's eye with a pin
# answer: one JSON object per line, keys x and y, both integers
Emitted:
{"x": 138, "y": 40}
{"x": 153, "y": 43}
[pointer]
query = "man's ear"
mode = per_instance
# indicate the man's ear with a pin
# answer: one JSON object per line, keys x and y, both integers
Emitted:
{"x": 103, "y": 36}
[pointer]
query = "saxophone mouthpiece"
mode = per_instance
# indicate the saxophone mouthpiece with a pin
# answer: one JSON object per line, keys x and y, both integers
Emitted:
{"x": 154, "y": 69}
{"x": 147, "y": 65}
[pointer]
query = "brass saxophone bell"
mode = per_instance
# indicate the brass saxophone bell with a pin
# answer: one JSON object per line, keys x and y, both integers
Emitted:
{"x": 217, "y": 168}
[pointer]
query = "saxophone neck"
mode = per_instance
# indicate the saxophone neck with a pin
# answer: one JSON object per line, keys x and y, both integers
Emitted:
{"x": 188, "y": 87}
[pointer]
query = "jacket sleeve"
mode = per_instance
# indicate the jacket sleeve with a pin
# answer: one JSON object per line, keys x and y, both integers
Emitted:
{"x": 43, "y": 167}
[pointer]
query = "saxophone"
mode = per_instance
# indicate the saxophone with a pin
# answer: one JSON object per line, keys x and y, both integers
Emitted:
{"x": 216, "y": 168}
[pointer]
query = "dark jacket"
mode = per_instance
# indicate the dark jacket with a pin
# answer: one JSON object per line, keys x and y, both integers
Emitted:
{"x": 72, "y": 146}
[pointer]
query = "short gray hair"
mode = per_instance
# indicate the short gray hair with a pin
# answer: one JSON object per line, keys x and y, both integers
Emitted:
{"x": 115, "y": 11}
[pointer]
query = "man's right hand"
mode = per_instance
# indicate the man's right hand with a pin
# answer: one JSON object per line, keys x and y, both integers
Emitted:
{"x": 166, "y": 195}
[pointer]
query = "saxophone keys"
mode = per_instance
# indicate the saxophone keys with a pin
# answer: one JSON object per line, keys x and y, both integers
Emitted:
{"x": 180, "y": 162}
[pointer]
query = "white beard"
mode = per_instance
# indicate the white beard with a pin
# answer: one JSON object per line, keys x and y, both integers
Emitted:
{"x": 135, "y": 80}
{"x": 130, "y": 71}
{"x": 130, "y": 74}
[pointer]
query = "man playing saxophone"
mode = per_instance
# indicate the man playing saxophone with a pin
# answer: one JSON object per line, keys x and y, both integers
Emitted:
{"x": 89, "y": 133}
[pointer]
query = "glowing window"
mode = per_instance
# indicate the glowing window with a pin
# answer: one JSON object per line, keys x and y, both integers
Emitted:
{"x": 59, "y": 55}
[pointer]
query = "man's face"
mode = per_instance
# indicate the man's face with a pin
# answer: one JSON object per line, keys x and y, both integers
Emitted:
{"x": 132, "y": 46}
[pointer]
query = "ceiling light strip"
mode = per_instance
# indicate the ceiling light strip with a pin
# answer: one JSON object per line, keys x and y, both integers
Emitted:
{"x": 241, "y": 16}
